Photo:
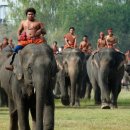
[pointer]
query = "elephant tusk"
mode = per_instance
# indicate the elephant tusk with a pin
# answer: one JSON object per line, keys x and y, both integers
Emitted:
{"x": 95, "y": 62}
{"x": 19, "y": 76}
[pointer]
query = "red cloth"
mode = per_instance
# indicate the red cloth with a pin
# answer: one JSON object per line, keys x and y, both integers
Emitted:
{"x": 71, "y": 41}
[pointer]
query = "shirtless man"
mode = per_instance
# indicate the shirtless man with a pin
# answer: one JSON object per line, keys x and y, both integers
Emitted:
{"x": 70, "y": 39}
{"x": 29, "y": 31}
{"x": 55, "y": 47}
{"x": 111, "y": 40}
{"x": 4, "y": 43}
{"x": 85, "y": 46}
{"x": 11, "y": 43}
{"x": 101, "y": 43}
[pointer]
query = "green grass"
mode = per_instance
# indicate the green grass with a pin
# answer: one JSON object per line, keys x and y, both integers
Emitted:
{"x": 87, "y": 117}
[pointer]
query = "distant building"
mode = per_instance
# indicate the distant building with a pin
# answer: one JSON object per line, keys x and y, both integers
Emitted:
{"x": 3, "y": 11}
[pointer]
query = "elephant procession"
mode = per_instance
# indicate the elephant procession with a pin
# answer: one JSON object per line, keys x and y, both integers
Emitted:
{"x": 33, "y": 74}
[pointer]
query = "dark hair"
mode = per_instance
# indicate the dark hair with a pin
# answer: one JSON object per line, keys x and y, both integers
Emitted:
{"x": 55, "y": 42}
{"x": 85, "y": 36}
{"x": 30, "y": 10}
{"x": 109, "y": 29}
{"x": 5, "y": 38}
{"x": 72, "y": 28}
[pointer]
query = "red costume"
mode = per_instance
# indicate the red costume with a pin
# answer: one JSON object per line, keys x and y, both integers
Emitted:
{"x": 24, "y": 40}
{"x": 71, "y": 41}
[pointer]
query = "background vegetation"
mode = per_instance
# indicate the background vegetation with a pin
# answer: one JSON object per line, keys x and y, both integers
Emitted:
{"x": 87, "y": 16}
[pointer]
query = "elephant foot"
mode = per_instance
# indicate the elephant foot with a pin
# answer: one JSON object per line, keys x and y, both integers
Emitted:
{"x": 57, "y": 96}
{"x": 113, "y": 106}
{"x": 77, "y": 104}
{"x": 97, "y": 103}
{"x": 65, "y": 101}
{"x": 105, "y": 106}
{"x": 71, "y": 104}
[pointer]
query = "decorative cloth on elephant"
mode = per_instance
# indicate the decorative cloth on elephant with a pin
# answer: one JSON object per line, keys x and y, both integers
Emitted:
{"x": 71, "y": 41}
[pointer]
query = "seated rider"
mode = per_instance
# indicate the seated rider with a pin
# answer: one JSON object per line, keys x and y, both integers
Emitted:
{"x": 4, "y": 43}
{"x": 111, "y": 40}
{"x": 101, "y": 43}
{"x": 127, "y": 55}
{"x": 55, "y": 47}
{"x": 85, "y": 46}
{"x": 30, "y": 31}
{"x": 70, "y": 39}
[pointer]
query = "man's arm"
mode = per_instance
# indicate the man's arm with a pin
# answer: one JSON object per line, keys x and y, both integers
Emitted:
{"x": 75, "y": 43}
{"x": 41, "y": 30}
{"x": 66, "y": 41}
{"x": 20, "y": 29}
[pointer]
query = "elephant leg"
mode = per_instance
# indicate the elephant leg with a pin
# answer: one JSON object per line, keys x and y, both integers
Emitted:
{"x": 114, "y": 96}
{"x": 49, "y": 111}
{"x": 97, "y": 93}
{"x": 33, "y": 110}
{"x": 77, "y": 93}
{"x": 13, "y": 116}
{"x": 88, "y": 91}
{"x": 23, "y": 113}
{"x": 105, "y": 91}
{"x": 57, "y": 90}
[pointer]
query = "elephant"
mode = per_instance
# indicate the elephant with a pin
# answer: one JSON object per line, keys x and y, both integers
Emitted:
{"x": 61, "y": 89}
{"x": 29, "y": 87}
{"x": 86, "y": 86}
{"x": 73, "y": 63}
{"x": 126, "y": 81}
{"x": 105, "y": 69}
{"x": 4, "y": 54}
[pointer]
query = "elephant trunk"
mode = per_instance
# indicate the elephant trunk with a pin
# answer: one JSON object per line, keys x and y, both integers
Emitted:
{"x": 64, "y": 90}
{"x": 73, "y": 74}
{"x": 40, "y": 100}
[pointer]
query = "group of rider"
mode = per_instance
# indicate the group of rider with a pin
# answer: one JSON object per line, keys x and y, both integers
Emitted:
{"x": 33, "y": 31}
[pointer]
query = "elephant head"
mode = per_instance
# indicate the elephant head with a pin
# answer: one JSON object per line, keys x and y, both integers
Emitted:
{"x": 36, "y": 66}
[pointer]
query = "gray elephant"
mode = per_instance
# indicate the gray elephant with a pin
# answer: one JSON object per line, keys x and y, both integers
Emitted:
{"x": 86, "y": 86}
{"x": 4, "y": 55}
{"x": 73, "y": 62}
{"x": 105, "y": 69}
{"x": 29, "y": 87}
{"x": 61, "y": 90}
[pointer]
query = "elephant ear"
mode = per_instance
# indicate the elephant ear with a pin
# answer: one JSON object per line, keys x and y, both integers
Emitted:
{"x": 121, "y": 61}
{"x": 54, "y": 67}
{"x": 18, "y": 70}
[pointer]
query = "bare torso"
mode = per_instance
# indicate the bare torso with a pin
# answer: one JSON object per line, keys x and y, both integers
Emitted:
{"x": 31, "y": 28}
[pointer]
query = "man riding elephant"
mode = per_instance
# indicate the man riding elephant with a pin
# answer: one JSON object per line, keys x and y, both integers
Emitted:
{"x": 70, "y": 39}
{"x": 30, "y": 31}
{"x": 85, "y": 46}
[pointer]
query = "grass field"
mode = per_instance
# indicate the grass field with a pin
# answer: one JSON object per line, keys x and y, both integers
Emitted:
{"x": 87, "y": 117}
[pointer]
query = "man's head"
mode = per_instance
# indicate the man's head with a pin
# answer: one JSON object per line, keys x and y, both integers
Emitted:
{"x": 30, "y": 13}
{"x": 109, "y": 31}
{"x": 85, "y": 38}
{"x": 5, "y": 40}
{"x": 71, "y": 30}
{"x": 101, "y": 35}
